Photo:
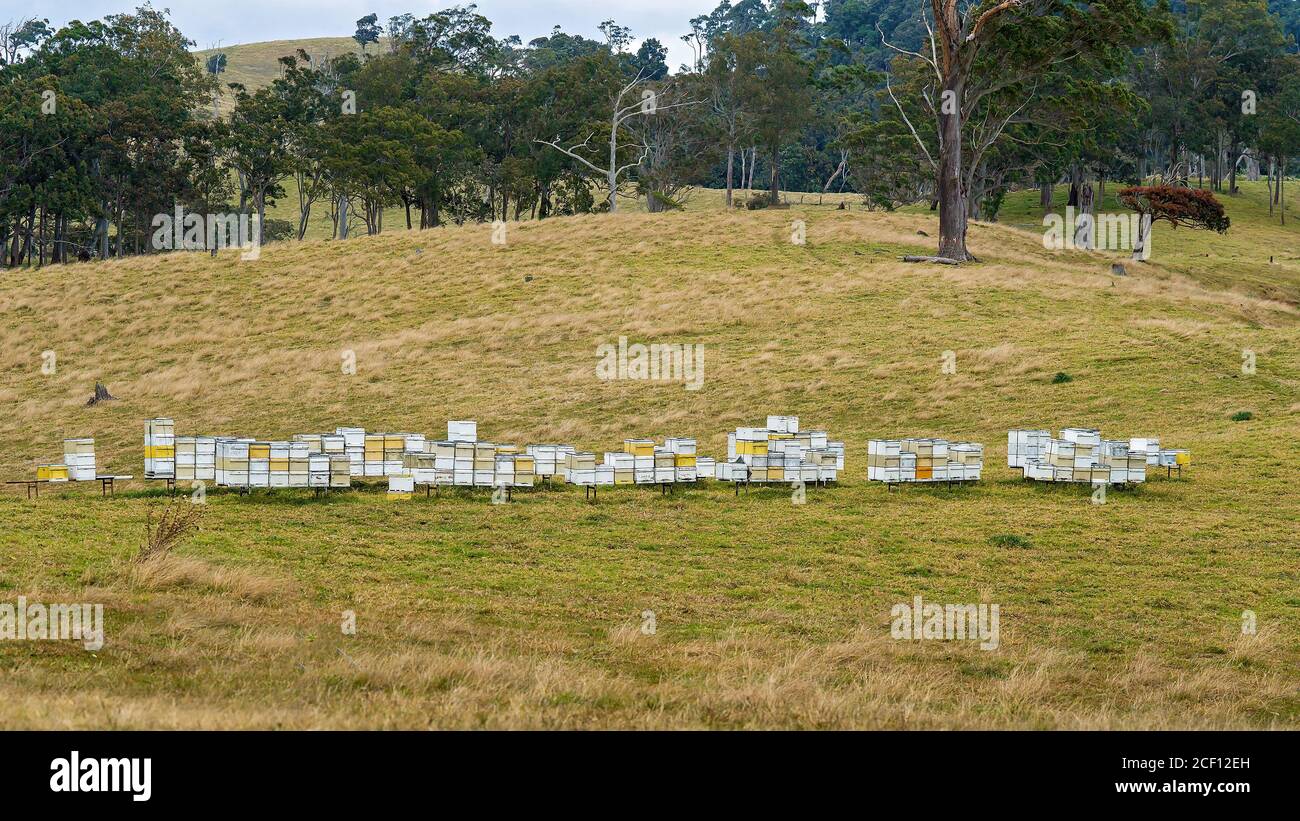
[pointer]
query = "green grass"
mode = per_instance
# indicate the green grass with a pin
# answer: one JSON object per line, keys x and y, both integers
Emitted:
{"x": 768, "y": 614}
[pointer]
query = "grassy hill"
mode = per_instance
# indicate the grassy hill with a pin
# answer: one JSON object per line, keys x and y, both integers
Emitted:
{"x": 768, "y": 614}
{"x": 255, "y": 65}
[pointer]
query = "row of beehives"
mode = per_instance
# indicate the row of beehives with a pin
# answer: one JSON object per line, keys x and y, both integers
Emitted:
{"x": 785, "y": 455}
{"x": 923, "y": 460}
{"x": 1082, "y": 455}
{"x": 777, "y": 453}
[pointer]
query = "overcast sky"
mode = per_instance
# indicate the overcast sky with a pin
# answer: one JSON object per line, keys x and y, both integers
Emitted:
{"x": 229, "y": 22}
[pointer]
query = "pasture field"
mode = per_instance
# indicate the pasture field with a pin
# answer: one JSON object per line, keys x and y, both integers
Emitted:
{"x": 768, "y": 614}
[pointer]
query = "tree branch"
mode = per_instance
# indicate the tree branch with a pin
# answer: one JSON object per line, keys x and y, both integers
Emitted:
{"x": 910, "y": 127}
{"x": 989, "y": 15}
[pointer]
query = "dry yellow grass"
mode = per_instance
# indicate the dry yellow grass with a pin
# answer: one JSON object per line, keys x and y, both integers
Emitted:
{"x": 1125, "y": 615}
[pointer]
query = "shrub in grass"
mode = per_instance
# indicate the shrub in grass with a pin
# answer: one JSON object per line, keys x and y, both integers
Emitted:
{"x": 1061, "y": 378}
{"x": 1242, "y": 416}
{"x": 1009, "y": 540}
{"x": 164, "y": 531}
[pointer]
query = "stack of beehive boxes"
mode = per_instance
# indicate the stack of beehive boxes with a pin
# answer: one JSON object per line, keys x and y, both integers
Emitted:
{"x": 965, "y": 461}
{"x": 259, "y": 464}
{"x": 1147, "y": 447}
{"x": 888, "y": 462}
{"x": 1123, "y": 463}
{"x": 549, "y": 460}
{"x": 340, "y": 470}
{"x": 636, "y": 461}
{"x": 581, "y": 469}
{"x": 1026, "y": 446}
{"x": 329, "y": 464}
{"x": 685, "y": 461}
{"x": 288, "y": 464}
{"x": 196, "y": 458}
{"x": 515, "y": 470}
{"x": 383, "y": 452}
{"x": 781, "y": 452}
{"x": 354, "y": 446}
{"x": 159, "y": 449}
{"x": 923, "y": 460}
{"x": 318, "y": 470}
{"x": 706, "y": 467}
{"x": 623, "y": 465}
{"x": 232, "y": 462}
{"x": 423, "y": 467}
{"x": 1081, "y": 455}
{"x": 373, "y": 464}
{"x": 485, "y": 464}
{"x": 79, "y": 457}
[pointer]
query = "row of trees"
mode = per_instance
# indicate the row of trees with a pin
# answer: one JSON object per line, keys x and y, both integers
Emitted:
{"x": 104, "y": 125}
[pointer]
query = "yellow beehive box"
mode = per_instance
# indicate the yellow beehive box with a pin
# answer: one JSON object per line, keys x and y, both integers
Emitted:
{"x": 52, "y": 473}
{"x": 684, "y": 461}
{"x": 159, "y": 451}
{"x": 639, "y": 447}
{"x": 279, "y": 465}
{"x": 259, "y": 450}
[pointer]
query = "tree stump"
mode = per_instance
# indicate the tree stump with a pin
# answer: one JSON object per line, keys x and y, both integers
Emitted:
{"x": 101, "y": 394}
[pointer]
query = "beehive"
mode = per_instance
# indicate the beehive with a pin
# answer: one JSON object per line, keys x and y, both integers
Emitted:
{"x": 79, "y": 457}
{"x": 159, "y": 448}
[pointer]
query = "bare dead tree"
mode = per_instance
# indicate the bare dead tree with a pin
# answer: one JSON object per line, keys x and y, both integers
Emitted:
{"x": 619, "y": 117}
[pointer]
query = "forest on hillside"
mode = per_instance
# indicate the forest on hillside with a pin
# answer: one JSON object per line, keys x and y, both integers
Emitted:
{"x": 106, "y": 124}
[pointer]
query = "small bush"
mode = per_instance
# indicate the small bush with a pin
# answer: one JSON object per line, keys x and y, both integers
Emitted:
{"x": 1061, "y": 378}
{"x": 757, "y": 203}
{"x": 277, "y": 230}
{"x": 1008, "y": 540}
{"x": 1242, "y": 416}
{"x": 164, "y": 531}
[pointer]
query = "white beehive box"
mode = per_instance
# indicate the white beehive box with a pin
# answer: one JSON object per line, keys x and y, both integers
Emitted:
{"x": 160, "y": 448}
{"x": 462, "y": 431}
{"x": 79, "y": 456}
{"x": 783, "y": 424}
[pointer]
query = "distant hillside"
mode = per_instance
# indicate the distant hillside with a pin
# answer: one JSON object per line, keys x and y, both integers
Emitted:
{"x": 256, "y": 64}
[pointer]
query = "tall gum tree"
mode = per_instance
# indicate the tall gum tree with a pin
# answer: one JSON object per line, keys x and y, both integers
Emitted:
{"x": 980, "y": 48}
